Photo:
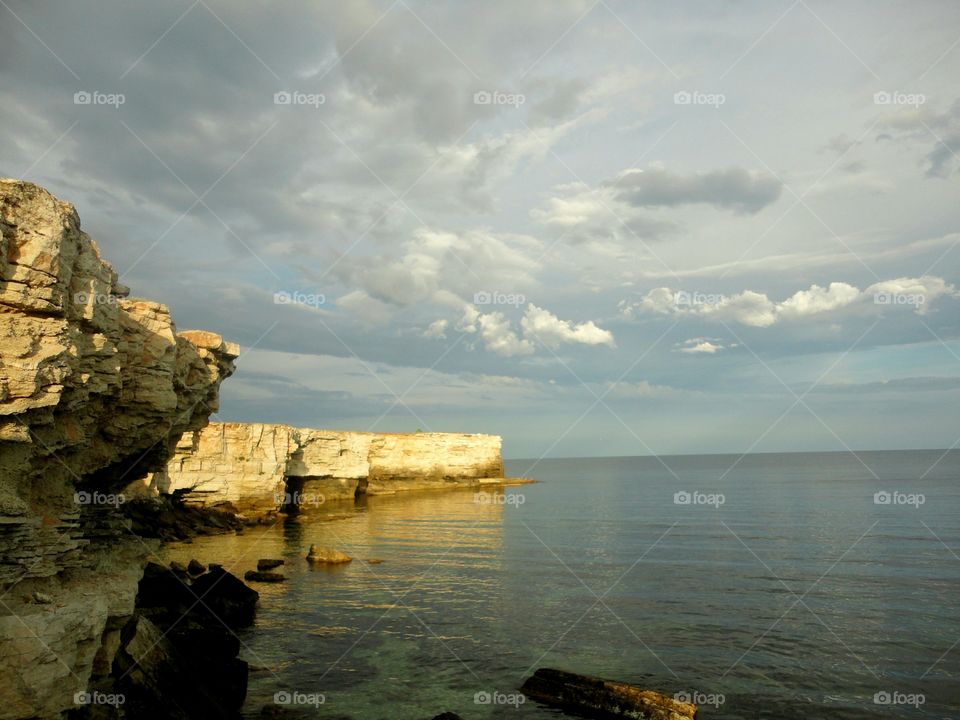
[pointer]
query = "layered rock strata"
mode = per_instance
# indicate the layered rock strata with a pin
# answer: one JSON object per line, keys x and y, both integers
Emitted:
{"x": 96, "y": 389}
{"x": 258, "y": 467}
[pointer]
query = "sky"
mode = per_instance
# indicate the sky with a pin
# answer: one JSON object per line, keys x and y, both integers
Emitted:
{"x": 594, "y": 227}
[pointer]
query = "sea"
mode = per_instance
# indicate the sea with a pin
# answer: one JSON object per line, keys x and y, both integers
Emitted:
{"x": 801, "y": 585}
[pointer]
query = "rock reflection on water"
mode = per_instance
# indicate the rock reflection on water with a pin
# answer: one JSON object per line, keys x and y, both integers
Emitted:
{"x": 366, "y": 635}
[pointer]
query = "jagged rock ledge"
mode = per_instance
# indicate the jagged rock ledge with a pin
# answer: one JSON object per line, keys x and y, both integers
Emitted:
{"x": 260, "y": 468}
{"x": 96, "y": 389}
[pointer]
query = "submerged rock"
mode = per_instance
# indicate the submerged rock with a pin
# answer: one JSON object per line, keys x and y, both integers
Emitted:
{"x": 329, "y": 556}
{"x": 263, "y": 576}
{"x": 596, "y": 697}
{"x": 269, "y": 563}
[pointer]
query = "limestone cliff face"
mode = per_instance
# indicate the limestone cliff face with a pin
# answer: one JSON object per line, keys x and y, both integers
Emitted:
{"x": 252, "y": 465}
{"x": 95, "y": 390}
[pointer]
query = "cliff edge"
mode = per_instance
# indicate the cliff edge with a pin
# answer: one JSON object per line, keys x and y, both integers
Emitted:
{"x": 262, "y": 468}
{"x": 96, "y": 390}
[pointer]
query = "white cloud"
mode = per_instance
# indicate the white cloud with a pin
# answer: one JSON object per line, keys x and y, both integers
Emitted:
{"x": 757, "y": 310}
{"x": 701, "y": 346}
{"x": 818, "y": 299}
{"x": 500, "y": 338}
{"x": 436, "y": 267}
{"x": 924, "y": 290}
{"x": 643, "y": 389}
{"x": 437, "y": 329}
{"x": 552, "y": 331}
{"x": 537, "y": 326}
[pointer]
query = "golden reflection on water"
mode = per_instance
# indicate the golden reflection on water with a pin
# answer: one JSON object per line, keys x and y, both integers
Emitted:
{"x": 424, "y": 537}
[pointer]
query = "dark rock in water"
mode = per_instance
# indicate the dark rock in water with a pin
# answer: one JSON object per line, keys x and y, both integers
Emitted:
{"x": 178, "y": 567}
{"x": 269, "y": 563}
{"x": 195, "y": 567}
{"x": 161, "y": 587}
{"x": 447, "y": 716}
{"x": 159, "y": 679}
{"x": 263, "y": 576}
{"x": 227, "y": 597}
{"x": 197, "y": 639}
{"x": 595, "y": 697}
{"x": 216, "y": 596}
{"x": 178, "y": 654}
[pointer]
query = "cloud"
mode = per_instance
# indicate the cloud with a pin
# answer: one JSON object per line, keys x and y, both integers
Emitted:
{"x": 917, "y": 292}
{"x": 439, "y": 267}
{"x": 701, "y": 346}
{"x": 642, "y": 389}
{"x": 926, "y": 126}
{"x": 900, "y": 385}
{"x": 734, "y": 189}
{"x": 594, "y": 215}
{"x": 818, "y": 300}
{"x": 552, "y": 331}
{"x": 437, "y": 329}
{"x": 499, "y": 337}
{"x": 368, "y": 309}
{"x": 537, "y": 326}
{"x": 622, "y": 209}
{"x": 757, "y": 310}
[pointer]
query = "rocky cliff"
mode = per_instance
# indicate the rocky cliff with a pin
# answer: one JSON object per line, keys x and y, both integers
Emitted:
{"x": 96, "y": 389}
{"x": 259, "y": 467}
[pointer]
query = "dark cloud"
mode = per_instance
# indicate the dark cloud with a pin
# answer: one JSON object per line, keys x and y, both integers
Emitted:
{"x": 733, "y": 189}
{"x": 937, "y": 131}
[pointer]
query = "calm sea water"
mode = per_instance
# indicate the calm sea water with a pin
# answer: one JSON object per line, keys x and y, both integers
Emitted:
{"x": 782, "y": 589}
